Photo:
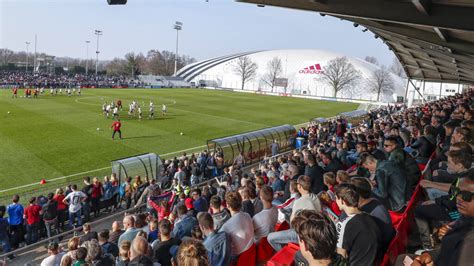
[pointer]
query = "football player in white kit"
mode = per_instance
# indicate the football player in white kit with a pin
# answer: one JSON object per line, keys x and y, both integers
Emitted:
{"x": 163, "y": 110}
{"x": 139, "y": 112}
{"x": 116, "y": 112}
{"x": 107, "y": 110}
{"x": 152, "y": 111}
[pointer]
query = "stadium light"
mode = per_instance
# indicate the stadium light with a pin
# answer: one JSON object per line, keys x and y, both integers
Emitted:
{"x": 116, "y": 2}
{"x": 26, "y": 66}
{"x": 177, "y": 26}
{"x": 98, "y": 33}
{"x": 87, "y": 57}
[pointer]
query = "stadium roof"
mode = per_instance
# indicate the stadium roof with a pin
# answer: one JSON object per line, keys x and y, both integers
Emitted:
{"x": 433, "y": 39}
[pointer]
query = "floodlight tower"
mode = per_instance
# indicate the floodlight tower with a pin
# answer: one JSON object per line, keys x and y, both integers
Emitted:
{"x": 98, "y": 33}
{"x": 177, "y": 26}
{"x": 26, "y": 66}
{"x": 87, "y": 57}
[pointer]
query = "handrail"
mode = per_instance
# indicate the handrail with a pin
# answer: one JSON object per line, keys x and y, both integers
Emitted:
{"x": 47, "y": 240}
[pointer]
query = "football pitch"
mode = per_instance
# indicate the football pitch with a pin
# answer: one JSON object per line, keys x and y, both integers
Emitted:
{"x": 56, "y": 136}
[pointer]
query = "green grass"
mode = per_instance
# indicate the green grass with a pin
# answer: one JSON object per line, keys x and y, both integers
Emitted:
{"x": 56, "y": 136}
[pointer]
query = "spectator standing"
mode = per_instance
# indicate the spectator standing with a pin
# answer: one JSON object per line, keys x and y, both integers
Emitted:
{"x": 32, "y": 216}
{"x": 50, "y": 216}
{"x": 75, "y": 200}
{"x": 62, "y": 208}
{"x": 86, "y": 204}
{"x": 97, "y": 192}
{"x": 4, "y": 237}
{"x": 15, "y": 213}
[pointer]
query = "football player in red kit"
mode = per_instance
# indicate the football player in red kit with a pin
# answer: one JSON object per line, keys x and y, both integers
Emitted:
{"x": 116, "y": 127}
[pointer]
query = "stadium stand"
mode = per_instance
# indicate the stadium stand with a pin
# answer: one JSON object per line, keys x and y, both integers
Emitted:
{"x": 349, "y": 186}
{"x": 154, "y": 81}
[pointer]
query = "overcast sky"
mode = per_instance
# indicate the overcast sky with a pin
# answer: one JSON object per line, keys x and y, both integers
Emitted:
{"x": 214, "y": 28}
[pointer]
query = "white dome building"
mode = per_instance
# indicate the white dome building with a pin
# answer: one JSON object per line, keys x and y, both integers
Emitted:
{"x": 301, "y": 68}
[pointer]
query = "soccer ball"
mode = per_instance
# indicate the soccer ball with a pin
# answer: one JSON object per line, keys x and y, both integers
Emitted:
{"x": 181, "y": 133}
{"x": 8, "y": 112}
{"x": 98, "y": 129}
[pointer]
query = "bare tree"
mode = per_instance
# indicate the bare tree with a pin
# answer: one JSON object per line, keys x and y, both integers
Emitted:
{"x": 245, "y": 69}
{"x": 381, "y": 82}
{"x": 274, "y": 70}
{"x": 117, "y": 66}
{"x": 6, "y": 54}
{"x": 135, "y": 63}
{"x": 372, "y": 59}
{"x": 339, "y": 74}
{"x": 397, "y": 68}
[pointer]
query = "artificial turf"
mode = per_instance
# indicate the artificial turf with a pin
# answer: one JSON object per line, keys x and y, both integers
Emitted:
{"x": 55, "y": 136}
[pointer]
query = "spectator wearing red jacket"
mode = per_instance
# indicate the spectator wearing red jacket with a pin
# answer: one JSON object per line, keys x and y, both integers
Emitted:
{"x": 32, "y": 216}
{"x": 97, "y": 192}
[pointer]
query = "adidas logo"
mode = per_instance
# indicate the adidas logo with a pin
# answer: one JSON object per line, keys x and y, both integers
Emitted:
{"x": 313, "y": 69}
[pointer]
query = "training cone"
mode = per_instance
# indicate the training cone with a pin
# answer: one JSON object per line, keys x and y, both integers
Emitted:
{"x": 43, "y": 181}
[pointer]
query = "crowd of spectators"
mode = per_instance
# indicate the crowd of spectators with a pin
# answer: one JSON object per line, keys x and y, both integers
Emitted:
{"x": 21, "y": 79}
{"x": 336, "y": 195}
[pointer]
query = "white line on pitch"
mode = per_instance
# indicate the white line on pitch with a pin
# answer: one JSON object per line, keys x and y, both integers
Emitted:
{"x": 90, "y": 171}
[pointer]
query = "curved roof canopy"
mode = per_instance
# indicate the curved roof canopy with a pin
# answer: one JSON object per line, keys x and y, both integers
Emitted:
{"x": 433, "y": 39}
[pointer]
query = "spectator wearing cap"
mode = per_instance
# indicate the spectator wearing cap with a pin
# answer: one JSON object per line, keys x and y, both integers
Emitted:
{"x": 315, "y": 172}
{"x": 185, "y": 223}
{"x": 15, "y": 213}
{"x": 55, "y": 255}
{"x": 390, "y": 182}
{"x": 188, "y": 203}
{"x": 217, "y": 244}
{"x": 32, "y": 216}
